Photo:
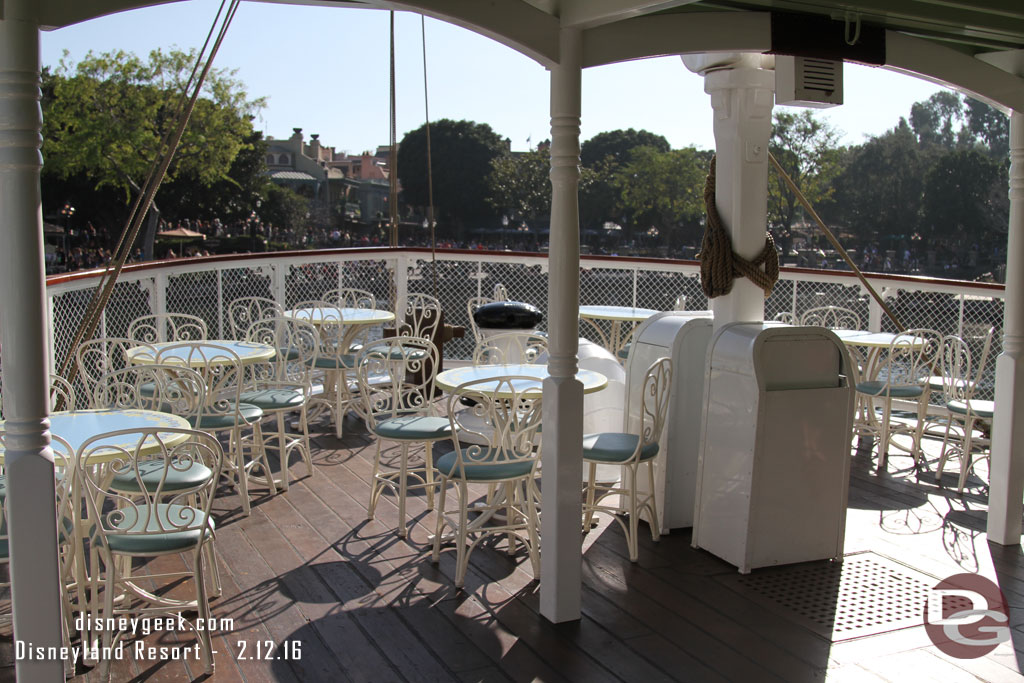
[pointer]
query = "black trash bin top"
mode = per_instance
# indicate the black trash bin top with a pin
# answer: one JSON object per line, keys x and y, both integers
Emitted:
{"x": 508, "y": 315}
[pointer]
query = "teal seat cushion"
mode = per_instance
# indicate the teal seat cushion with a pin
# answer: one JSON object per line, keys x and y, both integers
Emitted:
{"x": 182, "y": 477}
{"x": 612, "y": 447}
{"x": 344, "y": 362}
{"x": 623, "y": 353}
{"x": 414, "y": 428}
{"x": 174, "y": 527}
{"x": 273, "y": 399}
{"x": 978, "y": 407}
{"x": 447, "y": 465}
{"x": 879, "y": 388}
{"x": 289, "y": 353}
{"x": 249, "y": 414}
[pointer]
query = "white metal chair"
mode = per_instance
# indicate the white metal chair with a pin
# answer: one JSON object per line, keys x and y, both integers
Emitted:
{"x": 347, "y": 297}
{"x": 284, "y": 384}
{"x": 965, "y": 412}
{"x": 168, "y": 327}
{"x": 400, "y": 408}
{"x": 631, "y": 451}
{"x": 151, "y": 522}
{"x": 335, "y": 357}
{"x": 99, "y": 357}
{"x": 511, "y": 409}
{"x": 517, "y": 347}
{"x": 832, "y": 317}
{"x": 901, "y": 375}
{"x": 224, "y": 412}
{"x": 245, "y": 311}
{"x": 422, "y": 317}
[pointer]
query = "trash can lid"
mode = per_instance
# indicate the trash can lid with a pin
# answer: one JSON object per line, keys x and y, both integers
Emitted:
{"x": 507, "y": 315}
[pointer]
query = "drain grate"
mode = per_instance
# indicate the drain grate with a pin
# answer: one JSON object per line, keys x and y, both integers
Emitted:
{"x": 865, "y": 594}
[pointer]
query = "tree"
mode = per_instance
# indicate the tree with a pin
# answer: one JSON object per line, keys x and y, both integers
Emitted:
{"x": 231, "y": 198}
{"x": 664, "y": 190}
{"x": 805, "y": 147}
{"x": 619, "y": 144}
{"x": 284, "y": 208}
{"x": 462, "y": 152}
{"x": 104, "y": 119}
{"x": 937, "y": 120}
{"x": 519, "y": 185}
{"x": 988, "y": 126}
{"x": 958, "y": 202}
{"x": 879, "y": 189}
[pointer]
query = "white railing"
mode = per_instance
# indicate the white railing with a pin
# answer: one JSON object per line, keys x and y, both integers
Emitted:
{"x": 205, "y": 287}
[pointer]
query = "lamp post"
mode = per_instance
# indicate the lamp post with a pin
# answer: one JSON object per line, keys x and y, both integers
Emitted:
{"x": 67, "y": 212}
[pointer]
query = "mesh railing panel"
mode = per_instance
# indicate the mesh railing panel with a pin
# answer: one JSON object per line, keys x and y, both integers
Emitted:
{"x": 196, "y": 293}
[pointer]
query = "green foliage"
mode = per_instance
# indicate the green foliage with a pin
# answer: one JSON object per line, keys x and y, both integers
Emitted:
{"x": 519, "y": 184}
{"x": 664, "y": 189}
{"x": 936, "y": 120}
{"x": 959, "y": 202}
{"x": 619, "y": 145}
{"x": 462, "y": 152}
{"x": 880, "y": 187}
{"x": 805, "y": 147}
{"x": 109, "y": 113}
{"x": 284, "y": 208}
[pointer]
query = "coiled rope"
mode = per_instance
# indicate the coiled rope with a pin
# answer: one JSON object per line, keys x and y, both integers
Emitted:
{"x": 719, "y": 264}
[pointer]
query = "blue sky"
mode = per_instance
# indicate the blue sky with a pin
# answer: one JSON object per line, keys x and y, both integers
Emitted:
{"x": 325, "y": 70}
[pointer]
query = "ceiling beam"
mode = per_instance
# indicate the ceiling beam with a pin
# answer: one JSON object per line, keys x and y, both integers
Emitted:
{"x": 673, "y": 34}
{"x": 589, "y": 13}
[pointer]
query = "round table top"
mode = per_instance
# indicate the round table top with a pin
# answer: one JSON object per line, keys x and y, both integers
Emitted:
{"x": 78, "y": 426}
{"x": 207, "y": 352}
{"x": 876, "y": 339}
{"x": 348, "y": 316}
{"x": 616, "y": 313}
{"x": 448, "y": 380}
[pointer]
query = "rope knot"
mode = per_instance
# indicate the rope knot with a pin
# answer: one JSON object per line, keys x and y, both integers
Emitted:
{"x": 719, "y": 264}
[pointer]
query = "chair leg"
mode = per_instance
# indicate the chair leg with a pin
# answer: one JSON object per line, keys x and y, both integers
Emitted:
{"x": 428, "y": 476}
{"x": 883, "y": 436}
{"x": 213, "y": 567}
{"x": 588, "y": 519}
{"x": 260, "y": 453}
{"x": 510, "y": 496}
{"x": 435, "y": 555}
{"x": 282, "y": 446}
{"x": 241, "y": 474}
{"x": 461, "y": 553}
{"x": 634, "y": 516}
{"x": 307, "y": 454}
{"x": 944, "y": 453}
{"x": 403, "y": 485}
{"x": 375, "y": 485}
{"x": 203, "y": 608}
{"x": 653, "y": 503}
{"x": 532, "y": 522}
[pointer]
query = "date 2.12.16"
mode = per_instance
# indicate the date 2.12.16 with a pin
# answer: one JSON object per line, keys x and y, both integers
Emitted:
{"x": 268, "y": 649}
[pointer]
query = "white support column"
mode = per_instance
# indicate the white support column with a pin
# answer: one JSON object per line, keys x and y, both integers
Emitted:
{"x": 401, "y": 276}
{"x": 31, "y": 513}
{"x": 1006, "y": 488}
{"x": 742, "y": 95}
{"x": 561, "y": 548}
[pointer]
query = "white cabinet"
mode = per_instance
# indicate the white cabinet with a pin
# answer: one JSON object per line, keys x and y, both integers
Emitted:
{"x": 774, "y": 463}
{"x": 682, "y": 336}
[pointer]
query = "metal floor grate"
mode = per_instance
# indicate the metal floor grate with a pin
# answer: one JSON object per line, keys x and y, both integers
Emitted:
{"x": 865, "y": 594}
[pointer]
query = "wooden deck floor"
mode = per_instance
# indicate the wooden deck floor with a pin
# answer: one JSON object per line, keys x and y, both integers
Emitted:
{"x": 363, "y": 605}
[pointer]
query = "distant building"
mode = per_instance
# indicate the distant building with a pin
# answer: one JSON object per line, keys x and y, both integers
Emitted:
{"x": 354, "y": 187}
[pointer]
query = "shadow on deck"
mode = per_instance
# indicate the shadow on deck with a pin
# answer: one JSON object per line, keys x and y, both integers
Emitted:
{"x": 316, "y": 592}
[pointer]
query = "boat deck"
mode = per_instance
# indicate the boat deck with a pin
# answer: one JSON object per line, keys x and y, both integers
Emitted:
{"x": 317, "y": 592}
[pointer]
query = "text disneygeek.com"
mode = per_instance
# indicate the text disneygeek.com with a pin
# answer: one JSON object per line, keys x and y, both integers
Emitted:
{"x": 141, "y": 650}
